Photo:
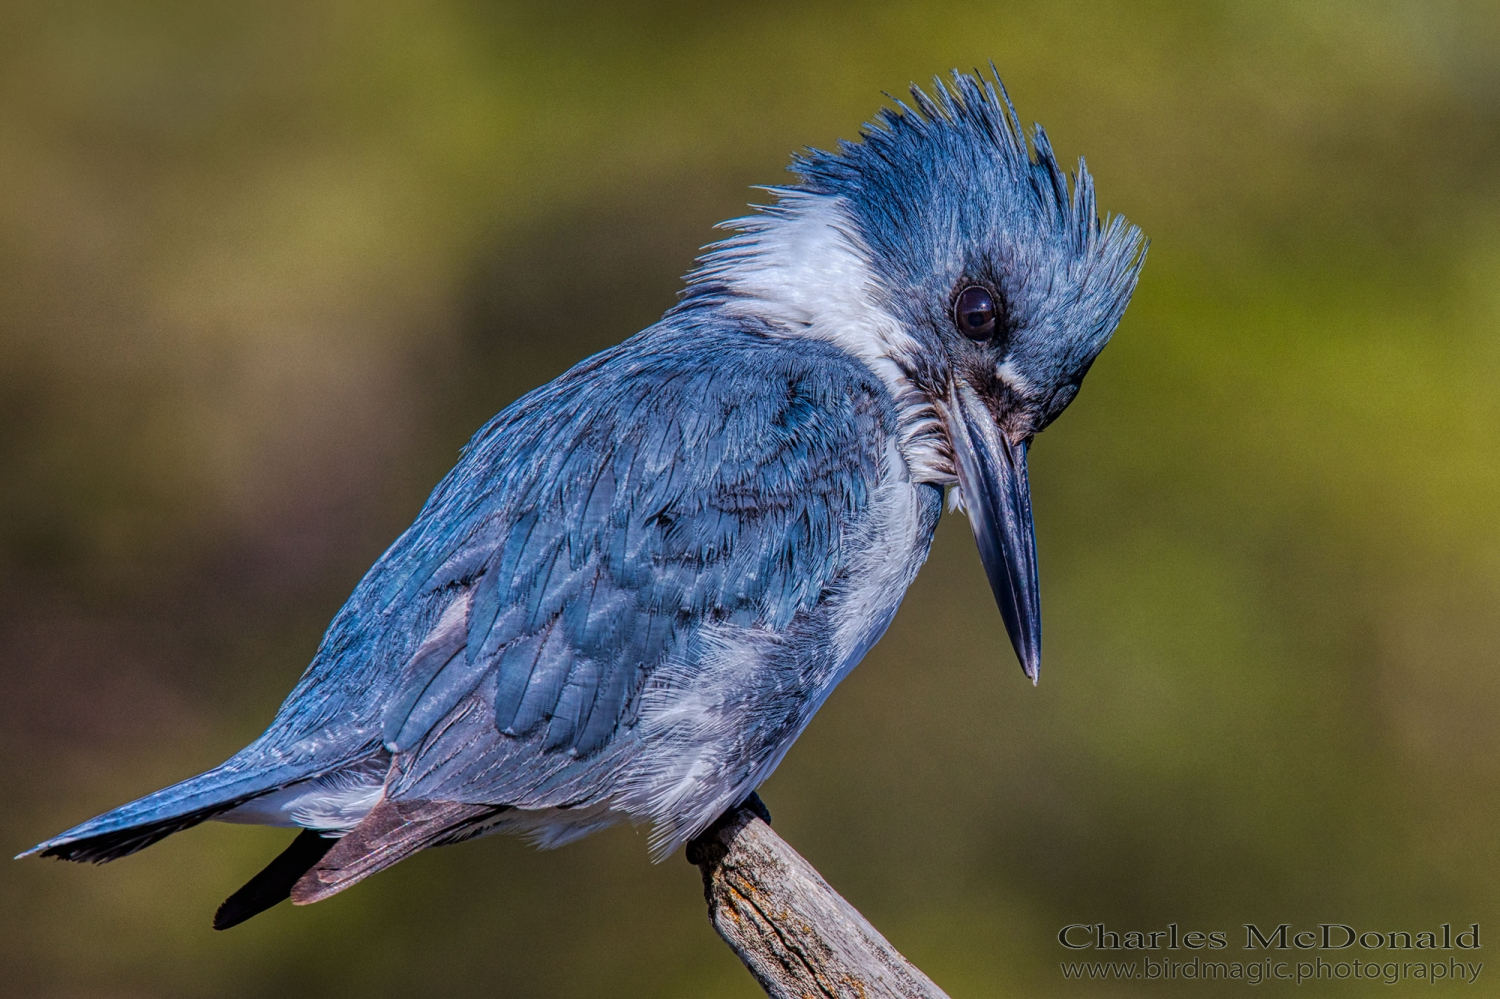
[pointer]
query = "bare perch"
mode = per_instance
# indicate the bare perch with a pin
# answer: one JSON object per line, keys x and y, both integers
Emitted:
{"x": 798, "y": 936}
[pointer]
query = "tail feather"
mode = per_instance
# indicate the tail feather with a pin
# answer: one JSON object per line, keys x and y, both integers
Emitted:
{"x": 274, "y": 883}
{"x": 101, "y": 848}
{"x": 393, "y": 831}
{"x": 135, "y": 826}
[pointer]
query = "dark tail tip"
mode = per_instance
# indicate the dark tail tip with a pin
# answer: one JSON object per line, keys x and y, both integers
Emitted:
{"x": 101, "y": 848}
{"x": 274, "y": 883}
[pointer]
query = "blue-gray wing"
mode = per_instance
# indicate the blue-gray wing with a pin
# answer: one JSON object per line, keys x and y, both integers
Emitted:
{"x": 690, "y": 478}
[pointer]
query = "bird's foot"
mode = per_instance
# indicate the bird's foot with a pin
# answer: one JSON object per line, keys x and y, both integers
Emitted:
{"x": 698, "y": 846}
{"x": 754, "y": 804}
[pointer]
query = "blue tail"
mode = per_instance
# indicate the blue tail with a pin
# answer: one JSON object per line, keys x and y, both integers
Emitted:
{"x": 137, "y": 825}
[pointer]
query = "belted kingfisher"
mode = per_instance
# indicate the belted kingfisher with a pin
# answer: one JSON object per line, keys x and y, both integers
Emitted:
{"x": 642, "y": 580}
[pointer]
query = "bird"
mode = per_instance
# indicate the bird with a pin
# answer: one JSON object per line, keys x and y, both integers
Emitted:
{"x": 641, "y": 580}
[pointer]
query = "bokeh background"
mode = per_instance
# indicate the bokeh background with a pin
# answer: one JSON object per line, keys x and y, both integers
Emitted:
{"x": 264, "y": 267}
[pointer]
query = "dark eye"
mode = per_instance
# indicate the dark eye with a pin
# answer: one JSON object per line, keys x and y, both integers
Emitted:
{"x": 974, "y": 313}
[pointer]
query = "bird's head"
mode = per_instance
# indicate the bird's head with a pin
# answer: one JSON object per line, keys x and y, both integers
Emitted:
{"x": 969, "y": 273}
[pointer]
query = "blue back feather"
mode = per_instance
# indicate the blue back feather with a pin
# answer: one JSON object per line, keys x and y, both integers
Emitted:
{"x": 699, "y": 473}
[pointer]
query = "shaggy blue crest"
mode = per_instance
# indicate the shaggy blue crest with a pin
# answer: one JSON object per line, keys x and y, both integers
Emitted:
{"x": 946, "y": 188}
{"x": 968, "y": 133}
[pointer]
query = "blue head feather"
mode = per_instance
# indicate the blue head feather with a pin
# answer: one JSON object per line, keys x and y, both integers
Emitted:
{"x": 942, "y": 193}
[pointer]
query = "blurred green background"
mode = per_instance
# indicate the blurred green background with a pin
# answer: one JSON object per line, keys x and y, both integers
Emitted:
{"x": 264, "y": 267}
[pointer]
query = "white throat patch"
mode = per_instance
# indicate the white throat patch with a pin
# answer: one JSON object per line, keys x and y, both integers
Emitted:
{"x": 802, "y": 266}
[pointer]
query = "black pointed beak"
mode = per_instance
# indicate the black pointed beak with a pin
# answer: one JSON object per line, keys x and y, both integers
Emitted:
{"x": 997, "y": 496}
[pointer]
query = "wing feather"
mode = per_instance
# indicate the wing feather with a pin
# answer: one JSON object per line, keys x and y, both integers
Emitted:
{"x": 504, "y": 641}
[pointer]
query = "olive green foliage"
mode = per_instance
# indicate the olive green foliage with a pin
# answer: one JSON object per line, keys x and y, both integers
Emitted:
{"x": 264, "y": 267}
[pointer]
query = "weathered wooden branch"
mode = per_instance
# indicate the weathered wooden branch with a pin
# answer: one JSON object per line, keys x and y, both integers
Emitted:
{"x": 798, "y": 936}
